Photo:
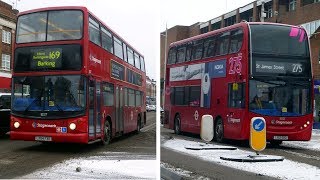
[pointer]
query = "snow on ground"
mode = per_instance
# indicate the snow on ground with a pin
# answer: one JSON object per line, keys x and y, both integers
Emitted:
{"x": 100, "y": 167}
{"x": 182, "y": 173}
{"x": 178, "y": 171}
{"x": 284, "y": 169}
{"x": 313, "y": 144}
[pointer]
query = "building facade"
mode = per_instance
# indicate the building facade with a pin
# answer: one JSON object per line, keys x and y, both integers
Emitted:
{"x": 151, "y": 91}
{"x": 8, "y": 19}
{"x": 295, "y": 12}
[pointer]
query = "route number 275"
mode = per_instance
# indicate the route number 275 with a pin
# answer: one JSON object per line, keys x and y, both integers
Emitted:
{"x": 296, "y": 68}
{"x": 235, "y": 64}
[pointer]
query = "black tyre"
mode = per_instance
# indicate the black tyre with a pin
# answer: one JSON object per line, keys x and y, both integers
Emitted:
{"x": 275, "y": 143}
{"x": 218, "y": 131}
{"x": 177, "y": 124}
{"x": 107, "y": 133}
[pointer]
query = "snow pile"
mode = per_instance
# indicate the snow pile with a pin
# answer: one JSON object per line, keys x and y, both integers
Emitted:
{"x": 93, "y": 168}
{"x": 284, "y": 169}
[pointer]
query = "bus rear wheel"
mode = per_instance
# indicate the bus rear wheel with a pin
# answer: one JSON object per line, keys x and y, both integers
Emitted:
{"x": 107, "y": 133}
{"x": 177, "y": 124}
{"x": 218, "y": 131}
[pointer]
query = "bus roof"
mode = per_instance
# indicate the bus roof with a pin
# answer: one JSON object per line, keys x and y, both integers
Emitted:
{"x": 210, "y": 33}
{"x": 85, "y": 9}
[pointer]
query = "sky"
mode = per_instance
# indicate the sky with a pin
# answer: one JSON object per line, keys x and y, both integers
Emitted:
{"x": 188, "y": 12}
{"x": 136, "y": 21}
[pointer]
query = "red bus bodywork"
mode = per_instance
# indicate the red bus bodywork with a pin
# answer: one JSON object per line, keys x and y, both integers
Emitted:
{"x": 236, "y": 121}
{"x": 96, "y": 67}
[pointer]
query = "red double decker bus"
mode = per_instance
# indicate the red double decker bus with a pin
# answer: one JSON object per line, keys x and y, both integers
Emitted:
{"x": 74, "y": 79}
{"x": 239, "y": 72}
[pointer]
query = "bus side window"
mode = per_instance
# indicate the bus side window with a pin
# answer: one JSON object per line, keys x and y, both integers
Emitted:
{"x": 181, "y": 54}
{"x": 107, "y": 42}
{"x": 236, "y": 40}
{"x": 236, "y": 95}
{"x": 138, "y": 98}
{"x": 195, "y": 94}
{"x": 125, "y": 97}
{"x": 209, "y": 46}
{"x": 108, "y": 94}
{"x": 223, "y": 44}
{"x": 94, "y": 32}
{"x": 197, "y": 50}
{"x": 172, "y": 95}
{"x": 188, "y": 52}
{"x": 172, "y": 56}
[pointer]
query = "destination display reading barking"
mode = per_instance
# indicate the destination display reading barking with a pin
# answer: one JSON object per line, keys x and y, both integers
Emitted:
{"x": 49, "y": 58}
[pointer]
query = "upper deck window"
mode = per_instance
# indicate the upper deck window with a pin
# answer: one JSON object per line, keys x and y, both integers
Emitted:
{"x": 118, "y": 51}
{"x": 137, "y": 60}
{"x": 50, "y": 26}
{"x": 94, "y": 32}
{"x": 142, "y": 64}
{"x": 130, "y": 56}
{"x": 106, "y": 39}
{"x": 279, "y": 40}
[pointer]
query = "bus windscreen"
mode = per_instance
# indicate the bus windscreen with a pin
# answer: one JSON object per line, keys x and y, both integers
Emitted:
{"x": 50, "y": 26}
{"x": 279, "y": 50}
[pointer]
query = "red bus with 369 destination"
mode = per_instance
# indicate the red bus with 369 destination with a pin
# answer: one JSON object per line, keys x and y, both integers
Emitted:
{"x": 74, "y": 79}
{"x": 249, "y": 69}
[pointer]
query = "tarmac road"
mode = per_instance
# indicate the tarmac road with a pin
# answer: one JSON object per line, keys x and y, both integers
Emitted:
{"x": 18, "y": 158}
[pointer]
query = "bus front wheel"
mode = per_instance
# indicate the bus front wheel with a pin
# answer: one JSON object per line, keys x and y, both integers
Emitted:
{"x": 177, "y": 124}
{"x": 218, "y": 131}
{"x": 275, "y": 143}
{"x": 107, "y": 133}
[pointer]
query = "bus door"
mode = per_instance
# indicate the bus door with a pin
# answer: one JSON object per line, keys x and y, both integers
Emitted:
{"x": 119, "y": 109}
{"x": 94, "y": 109}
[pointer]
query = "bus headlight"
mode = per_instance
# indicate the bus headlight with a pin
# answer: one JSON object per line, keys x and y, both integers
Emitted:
{"x": 16, "y": 124}
{"x": 305, "y": 125}
{"x": 308, "y": 122}
{"x": 72, "y": 126}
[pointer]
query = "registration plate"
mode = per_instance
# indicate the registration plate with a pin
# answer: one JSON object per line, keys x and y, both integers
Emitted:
{"x": 280, "y": 137}
{"x": 43, "y": 138}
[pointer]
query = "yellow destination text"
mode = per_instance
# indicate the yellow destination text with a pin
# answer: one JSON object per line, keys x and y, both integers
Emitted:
{"x": 46, "y": 64}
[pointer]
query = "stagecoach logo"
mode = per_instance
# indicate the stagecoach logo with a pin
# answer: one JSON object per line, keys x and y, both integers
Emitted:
{"x": 95, "y": 60}
{"x": 233, "y": 120}
{"x": 277, "y": 122}
{"x": 196, "y": 115}
{"x": 39, "y": 125}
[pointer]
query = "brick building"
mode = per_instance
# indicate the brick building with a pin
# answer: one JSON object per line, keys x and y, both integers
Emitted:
{"x": 151, "y": 91}
{"x": 8, "y": 19}
{"x": 296, "y": 12}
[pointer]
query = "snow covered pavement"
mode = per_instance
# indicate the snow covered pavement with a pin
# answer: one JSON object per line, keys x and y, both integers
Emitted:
{"x": 313, "y": 144}
{"x": 286, "y": 169}
{"x": 110, "y": 165}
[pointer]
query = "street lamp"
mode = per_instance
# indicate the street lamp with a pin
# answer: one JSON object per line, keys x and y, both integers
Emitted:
{"x": 165, "y": 59}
